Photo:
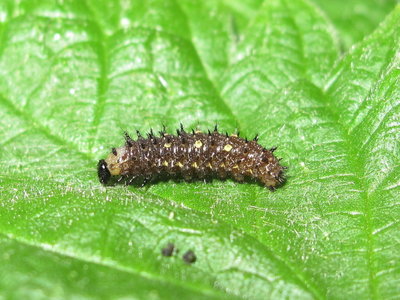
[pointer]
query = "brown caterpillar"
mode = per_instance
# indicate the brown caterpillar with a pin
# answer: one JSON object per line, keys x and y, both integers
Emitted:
{"x": 190, "y": 156}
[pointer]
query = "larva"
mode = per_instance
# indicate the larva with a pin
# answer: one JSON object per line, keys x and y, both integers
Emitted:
{"x": 195, "y": 155}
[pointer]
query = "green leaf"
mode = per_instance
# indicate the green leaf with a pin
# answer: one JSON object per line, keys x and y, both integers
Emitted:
{"x": 74, "y": 75}
{"x": 354, "y": 19}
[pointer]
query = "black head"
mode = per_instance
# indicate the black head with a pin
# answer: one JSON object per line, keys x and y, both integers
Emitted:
{"x": 103, "y": 172}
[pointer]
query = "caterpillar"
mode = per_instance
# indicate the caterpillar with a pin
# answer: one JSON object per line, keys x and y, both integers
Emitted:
{"x": 194, "y": 155}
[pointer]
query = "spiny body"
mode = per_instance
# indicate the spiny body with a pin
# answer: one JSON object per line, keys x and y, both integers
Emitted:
{"x": 190, "y": 156}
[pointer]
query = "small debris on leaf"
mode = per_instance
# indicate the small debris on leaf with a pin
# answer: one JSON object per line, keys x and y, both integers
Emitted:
{"x": 168, "y": 250}
{"x": 189, "y": 257}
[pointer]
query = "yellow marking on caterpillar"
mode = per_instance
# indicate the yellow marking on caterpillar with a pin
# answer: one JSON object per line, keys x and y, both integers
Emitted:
{"x": 235, "y": 167}
{"x": 197, "y": 131}
{"x": 194, "y": 165}
{"x": 167, "y": 145}
{"x": 179, "y": 165}
{"x": 165, "y": 163}
{"x": 209, "y": 165}
{"x": 228, "y": 148}
{"x": 250, "y": 171}
{"x": 198, "y": 144}
{"x": 115, "y": 170}
{"x": 235, "y": 135}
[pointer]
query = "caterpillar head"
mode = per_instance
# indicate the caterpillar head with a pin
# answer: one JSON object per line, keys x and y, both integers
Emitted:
{"x": 111, "y": 166}
{"x": 103, "y": 172}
